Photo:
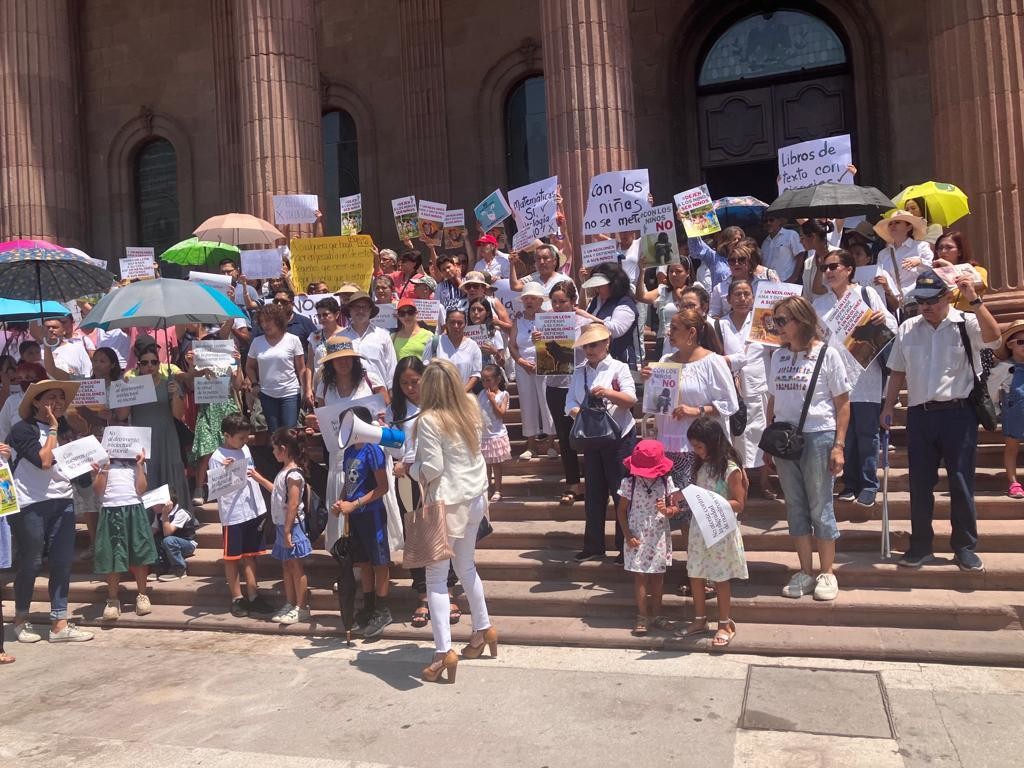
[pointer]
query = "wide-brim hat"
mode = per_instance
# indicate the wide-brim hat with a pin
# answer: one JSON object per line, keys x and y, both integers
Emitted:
{"x": 919, "y": 227}
{"x": 648, "y": 460}
{"x": 70, "y": 389}
{"x": 591, "y": 333}
{"x": 1017, "y": 326}
{"x": 361, "y": 296}
{"x": 533, "y": 288}
{"x": 347, "y": 288}
{"x": 475, "y": 278}
{"x": 338, "y": 346}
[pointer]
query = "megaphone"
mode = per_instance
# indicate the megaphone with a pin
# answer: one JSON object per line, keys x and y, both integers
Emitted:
{"x": 355, "y": 430}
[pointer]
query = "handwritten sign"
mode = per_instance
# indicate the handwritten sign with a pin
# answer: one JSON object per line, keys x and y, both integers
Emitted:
{"x": 387, "y": 317}
{"x": 492, "y": 210}
{"x": 127, "y": 442}
{"x": 158, "y": 497}
{"x": 333, "y": 260}
{"x": 814, "y": 162}
{"x": 661, "y": 391}
{"x": 511, "y": 300}
{"x": 405, "y": 213}
{"x": 77, "y": 457}
{"x": 222, "y": 479}
{"x": 329, "y": 416}
{"x": 305, "y": 305}
{"x": 351, "y": 214}
{"x": 522, "y": 239}
{"x": 766, "y": 295}
{"x": 295, "y": 209}
{"x": 713, "y": 514}
{"x": 260, "y": 264}
{"x": 212, "y": 390}
{"x": 221, "y": 283}
{"x": 533, "y": 207}
{"x": 658, "y": 245}
{"x": 849, "y": 322}
{"x": 92, "y": 393}
{"x": 699, "y": 217}
{"x": 599, "y": 253}
{"x": 138, "y": 390}
{"x": 8, "y": 495}
{"x": 615, "y": 201}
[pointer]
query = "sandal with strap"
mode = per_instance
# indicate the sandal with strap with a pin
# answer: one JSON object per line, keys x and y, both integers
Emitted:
{"x": 420, "y": 617}
{"x": 569, "y": 498}
{"x": 661, "y": 622}
{"x": 454, "y": 614}
{"x": 699, "y": 626}
{"x": 726, "y": 632}
{"x": 640, "y": 626}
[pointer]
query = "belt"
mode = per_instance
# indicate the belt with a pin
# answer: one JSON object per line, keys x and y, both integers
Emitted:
{"x": 944, "y": 405}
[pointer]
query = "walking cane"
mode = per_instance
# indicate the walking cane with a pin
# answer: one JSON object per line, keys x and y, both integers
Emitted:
{"x": 885, "y": 488}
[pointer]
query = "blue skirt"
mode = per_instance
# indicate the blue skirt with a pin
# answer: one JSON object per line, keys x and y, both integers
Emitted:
{"x": 300, "y": 544}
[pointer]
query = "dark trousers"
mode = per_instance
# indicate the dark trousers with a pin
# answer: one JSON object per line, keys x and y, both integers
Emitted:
{"x": 950, "y": 437}
{"x": 570, "y": 461}
{"x": 419, "y": 575}
{"x": 603, "y": 472}
{"x": 860, "y": 470}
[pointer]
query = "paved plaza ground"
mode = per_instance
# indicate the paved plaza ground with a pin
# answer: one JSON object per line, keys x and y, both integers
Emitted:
{"x": 170, "y": 698}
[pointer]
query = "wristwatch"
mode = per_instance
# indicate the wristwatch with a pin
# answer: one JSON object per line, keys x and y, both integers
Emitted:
{"x": 976, "y": 302}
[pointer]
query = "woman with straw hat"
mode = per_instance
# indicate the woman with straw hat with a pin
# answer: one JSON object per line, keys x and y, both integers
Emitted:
{"x": 906, "y": 254}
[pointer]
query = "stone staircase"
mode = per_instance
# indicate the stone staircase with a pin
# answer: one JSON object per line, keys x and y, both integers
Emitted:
{"x": 536, "y": 593}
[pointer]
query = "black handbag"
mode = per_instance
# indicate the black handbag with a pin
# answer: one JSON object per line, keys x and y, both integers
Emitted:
{"x": 980, "y": 399}
{"x": 593, "y": 428}
{"x": 784, "y": 439}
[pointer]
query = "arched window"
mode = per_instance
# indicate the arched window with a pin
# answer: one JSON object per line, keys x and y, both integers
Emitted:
{"x": 768, "y": 44}
{"x": 341, "y": 165}
{"x": 526, "y": 133}
{"x": 157, "y": 216}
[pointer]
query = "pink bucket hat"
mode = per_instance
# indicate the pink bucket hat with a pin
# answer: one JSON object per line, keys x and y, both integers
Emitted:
{"x": 648, "y": 460}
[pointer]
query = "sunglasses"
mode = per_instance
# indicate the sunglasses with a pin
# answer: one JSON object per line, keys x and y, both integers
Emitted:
{"x": 780, "y": 321}
{"x": 283, "y": 302}
{"x": 741, "y": 260}
{"x": 831, "y": 266}
{"x": 930, "y": 302}
{"x": 406, "y": 312}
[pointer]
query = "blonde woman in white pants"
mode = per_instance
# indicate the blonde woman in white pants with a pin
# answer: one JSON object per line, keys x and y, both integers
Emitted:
{"x": 533, "y": 404}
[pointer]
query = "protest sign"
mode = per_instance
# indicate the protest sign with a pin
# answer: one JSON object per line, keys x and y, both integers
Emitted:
{"x": 218, "y": 282}
{"x": 478, "y": 333}
{"x": 305, "y": 305}
{"x": 404, "y": 211}
{"x": 598, "y": 253}
{"x": 766, "y": 295}
{"x": 329, "y": 416}
{"x": 92, "y": 393}
{"x": 699, "y": 217}
{"x": 127, "y": 442}
{"x": 430, "y": 222}
{"x": 216, "y": 389}
{"x": 658, "y": 245}
{"x": 213, "y": 354}
{"x": 555, "y": 355}
{"x": 77, "y": 457}
{"x": 499, "y": 234}
{"x": 492, "y": 210}
{"x": 510, "y": 299}
{"x": 951, "y": 273}
{"x": 223, "y": 479}
{"x": 713, "y": 513}
{"x": 849, "y": 322}
{"x": 387, "y": 317}
{"x": 157, "y": 497}
{"x": 866, "y": 276}
{"x": 661, "y": 391}
{"x": 615, "y": 201}
{"x": 295, "y": 209}
{"x": 455, "y": 229}
{"x": 8, "y": 494}
{"x": 533, "y": 206}
{"x": 333, "y": 260}
{"x": 137, "y": 264}
{"x": 351, "y": 214}
{"x": 522, "y": 239}
{"x": 138, "y": 390}
{"x": 427, "y": 311}
{"x": 261, "y": 264}
{"x": 814, "y": 162}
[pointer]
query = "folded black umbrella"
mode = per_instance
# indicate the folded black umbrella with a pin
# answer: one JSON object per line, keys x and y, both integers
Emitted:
{"x": 343, "y": 553}
{"x": 831, "y": 201}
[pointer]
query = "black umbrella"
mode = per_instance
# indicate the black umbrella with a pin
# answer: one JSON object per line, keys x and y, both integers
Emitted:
{"x": 343, "y": 553}
{"x": 831, "y": 201}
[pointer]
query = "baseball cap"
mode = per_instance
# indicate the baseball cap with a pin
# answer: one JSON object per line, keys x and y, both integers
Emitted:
{"x": 929, "y": 285}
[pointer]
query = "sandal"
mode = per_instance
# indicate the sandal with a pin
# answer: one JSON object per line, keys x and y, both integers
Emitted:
{"x": 6, "y": 658}
{"x": 709, "y": 591}
{"x": 420, "y": 617}
{"x": 699, "y": 626}
{"x": 726, "y": 632}
{"x": 661, "y": 622}
{"x": 454, "y": 614}
{"x": 640, "y": 626}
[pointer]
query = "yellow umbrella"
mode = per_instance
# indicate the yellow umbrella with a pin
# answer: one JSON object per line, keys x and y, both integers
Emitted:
{"x": 238, "y": 229}
{"x": 946, "y": 203}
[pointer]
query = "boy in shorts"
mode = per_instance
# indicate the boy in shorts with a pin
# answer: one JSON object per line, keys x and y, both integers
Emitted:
{"x": 366, "y": 483}
{"x": 241, "y": 514}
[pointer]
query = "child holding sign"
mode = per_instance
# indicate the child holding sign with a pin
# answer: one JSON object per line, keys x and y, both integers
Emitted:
{"x": 718, "y": 470}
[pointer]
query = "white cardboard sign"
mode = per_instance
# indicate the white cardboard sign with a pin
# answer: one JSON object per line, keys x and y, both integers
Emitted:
{"x": 713, "y": 514}
{"x": 615, "y": 201}
{"x": 598, "y": 253}
{"x": 295, "y": 209}
{"x": 138, "y": 390}
{"x": 127, "y": 442}
{"x": 262, "y": 263}
{"x": 77, "y": 457}
{"x": 814, "y": 162}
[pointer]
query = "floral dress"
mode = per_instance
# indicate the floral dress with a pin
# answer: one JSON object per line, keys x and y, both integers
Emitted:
{"x": 726, "y": 559}
{"x": 654, "y": 554}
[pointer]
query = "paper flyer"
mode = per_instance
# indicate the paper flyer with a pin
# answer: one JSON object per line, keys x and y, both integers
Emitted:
{"x": 455, "y": 229}
{"x": 713, "y": 513}
{"x": 699, "y": 217}
{"x": 658, "y": 245}
{"x": 295, "y": 209}
{"x": 138, "y": 263}
{"x": 387, "y": 317}
{"x": 138, "y": 390}
{"x": 92, "y": 393}
{"x": 223, "y": 479}
{"x": 950, "y": 274}
{"x": 430, "y": 221}
{"x": 849, "y": 323}
{"x": 615, "y": 201}
{"x": 478, "y": 333}
{"x": 492, "y": 210}
{"x": 8, "y": 495}
{"x": 766, "y": 295}
{"x": 522, "y": 239}
{"x": 555, "y": 355}
{"x": 157, "y": 497}
{"x": 77, "y": 457}
{"x": 600, "y": 252}
{"x": 127, "y": 442}
{"x": 261, "y": 264}
{"x": 427, "y": 311}
{"x": 216, "y": 389}
{"x": 405, "y": 213}
{"x": 351, "y": 214}
{"x": 533, "y": 207}
{"x": 213, "y": 354}
{"x": 661, "y": 391}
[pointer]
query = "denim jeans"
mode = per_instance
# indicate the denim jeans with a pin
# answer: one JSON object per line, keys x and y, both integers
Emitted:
{"x": 280, "y": 411}
{"x": 44, "y": 526}
{"x": 174, "y": 550}
{"x": 807, "y": 486}
{"x": 860, "y": 469}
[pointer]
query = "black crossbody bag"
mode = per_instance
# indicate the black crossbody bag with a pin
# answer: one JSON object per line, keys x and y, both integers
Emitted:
{"x": 784, "y": 439}
{"x": 980, "y": 399}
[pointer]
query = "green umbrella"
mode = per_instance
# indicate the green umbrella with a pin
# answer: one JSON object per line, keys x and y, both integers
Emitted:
{"x": 195, "y": 252}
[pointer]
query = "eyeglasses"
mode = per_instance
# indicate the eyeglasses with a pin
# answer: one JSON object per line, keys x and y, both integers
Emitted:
{"x": 781, "y": 321}
{"x": 740, "y": 260}
{"x": 146, "y": 363}
{"x": 831, "y": 266}
{"x": 406, "y": 312}
{"x": 283, "y": 302}
{"x": 930, "y": 302}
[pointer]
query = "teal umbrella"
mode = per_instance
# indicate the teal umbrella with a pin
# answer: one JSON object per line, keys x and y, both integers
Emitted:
{"x": 161, "y": 303}
{"x": 17, "y": 311}
{"x": 195, "y": 253}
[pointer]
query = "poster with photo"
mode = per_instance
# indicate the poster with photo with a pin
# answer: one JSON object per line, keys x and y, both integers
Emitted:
{"x": 455, "y": 229}
{"x": 766, "y": 295}
{"x": 555, "y": 353}
{"x": 661, "y": 390}
{"x": 351, "y": 214}
{"x": 849, "y": 323}
{"x": 430, "y": 222}
{"x": 405, "y": 212}
{"x": 698, "y": 210}
{"x": 658, "y": 245}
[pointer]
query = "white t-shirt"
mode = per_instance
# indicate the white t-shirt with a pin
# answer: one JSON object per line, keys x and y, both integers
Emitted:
{"x": 467, "y": 358}
{"x": 789, "y": 377}
{"x": 72, "y": 358}
{"x": 245, "y": 503}
{"x": 276, "y": 364}
{"x": 494, "y": 426}
{"x": 120, "y": 490}
{"x": 178, "y": 518}
{"x": 779, "y": 252}
{"x": 9, "y": 415}
{"x": 631, "y": 261}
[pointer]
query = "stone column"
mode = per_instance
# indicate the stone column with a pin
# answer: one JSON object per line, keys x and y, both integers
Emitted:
{"x": 425, "y": 111}
{"x": 40, "y": 147}
{"x": 279, "y": 97}
{"x": 588, "y": 79}
{"x": 975, "y": 50}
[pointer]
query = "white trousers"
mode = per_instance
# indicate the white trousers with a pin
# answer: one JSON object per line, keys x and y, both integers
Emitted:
{"x": 533, "y": 404}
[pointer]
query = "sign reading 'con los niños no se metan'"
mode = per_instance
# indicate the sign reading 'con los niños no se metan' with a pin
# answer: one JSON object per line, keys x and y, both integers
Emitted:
{"x": 616, "y": 201}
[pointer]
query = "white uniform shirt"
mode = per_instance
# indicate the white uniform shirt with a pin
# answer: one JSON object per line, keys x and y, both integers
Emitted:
{"x": 779, "y": 252}
{"x": 377, "y": 351}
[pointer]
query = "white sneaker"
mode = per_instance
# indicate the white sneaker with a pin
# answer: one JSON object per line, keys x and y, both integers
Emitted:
{"x": 286, "y": 609}
{"x": 801, "y": 584}
{"x": 70, "y": 634}
{"x": 142, "y": 605}
{"x": 291, "y": 617}
{"x": 526, "y": 455}
{"x": 112, "y": 611}
{"x": 827, "y": 587}
{"x": 26, "y": 633}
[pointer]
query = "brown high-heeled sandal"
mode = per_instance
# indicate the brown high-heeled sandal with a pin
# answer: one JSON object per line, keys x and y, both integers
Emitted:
{"x": 490, "y": 640}
{"x": 448, "y": 663}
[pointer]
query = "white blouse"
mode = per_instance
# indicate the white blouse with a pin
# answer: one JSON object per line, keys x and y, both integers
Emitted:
{"x": 467, "y": 357}
{"x": 609, "y": 373}
{"x": 749, "y": 360}
{"x": 707, "y": 381}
